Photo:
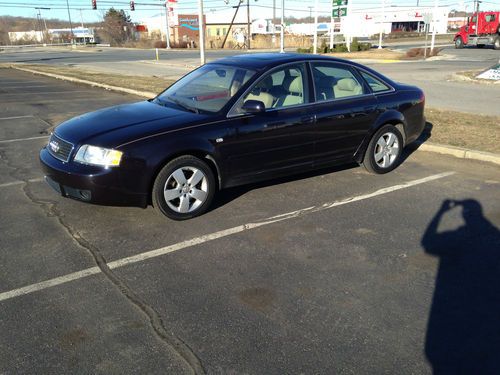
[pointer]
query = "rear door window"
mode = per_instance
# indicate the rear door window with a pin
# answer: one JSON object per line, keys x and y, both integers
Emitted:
{"x": 334, "y": 81}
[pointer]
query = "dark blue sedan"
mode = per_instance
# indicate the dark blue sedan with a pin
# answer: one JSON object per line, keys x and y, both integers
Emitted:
{"x": 237, "y": 120}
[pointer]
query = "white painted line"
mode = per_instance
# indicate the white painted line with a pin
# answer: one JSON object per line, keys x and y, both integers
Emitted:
{"x": 24, "y": 87}
{"x": 23, "y": 139}
{"x": 14, "y": 183}
{"x": 210, "y": 237}
{"x": 49, "y": 283}
{"x": 15, "y": 117}
{"x": 43, "y": 92}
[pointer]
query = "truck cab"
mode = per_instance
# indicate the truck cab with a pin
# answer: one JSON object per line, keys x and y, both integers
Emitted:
{"x": 481, "y": 29}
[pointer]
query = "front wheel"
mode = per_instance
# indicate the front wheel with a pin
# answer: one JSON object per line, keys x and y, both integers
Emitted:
{"x": 459, "y": 43}
{"x": 184, "y": 188}
{"x": 384, "y": 150}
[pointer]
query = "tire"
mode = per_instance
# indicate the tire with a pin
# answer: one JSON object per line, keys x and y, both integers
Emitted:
{"x": 459, "y": 43}
{"x": 496, "y": 43}
{"x": 384, "y": 150}
{"x": 176, "y": 195}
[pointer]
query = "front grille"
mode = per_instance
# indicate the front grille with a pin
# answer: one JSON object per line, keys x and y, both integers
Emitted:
{"x": 59, "y": 148}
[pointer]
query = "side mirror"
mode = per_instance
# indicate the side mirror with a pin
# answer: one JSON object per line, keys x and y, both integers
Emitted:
{"x": 253, "y": 106}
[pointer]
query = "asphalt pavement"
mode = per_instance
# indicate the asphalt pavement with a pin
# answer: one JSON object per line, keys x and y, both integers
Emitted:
{"x": 336, "y": 271}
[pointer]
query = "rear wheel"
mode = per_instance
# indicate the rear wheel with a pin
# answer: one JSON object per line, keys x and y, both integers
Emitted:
{"x": 496, "y": 43}
{"x": 184, "y": 188}
{"x": 384, "y": 150}
{"x": 459, "y": 43}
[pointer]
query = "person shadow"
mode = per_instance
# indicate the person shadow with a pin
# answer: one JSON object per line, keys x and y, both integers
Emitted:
{"x": 463, "y": 331}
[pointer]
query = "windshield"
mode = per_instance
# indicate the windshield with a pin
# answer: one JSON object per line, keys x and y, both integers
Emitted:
{"x": 207, "y": 89}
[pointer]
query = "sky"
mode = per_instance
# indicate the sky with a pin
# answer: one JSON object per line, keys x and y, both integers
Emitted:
{"x": 81, "y": 10}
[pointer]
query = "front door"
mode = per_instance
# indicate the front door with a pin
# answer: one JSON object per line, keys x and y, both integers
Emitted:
{"x": 280, "y": 139}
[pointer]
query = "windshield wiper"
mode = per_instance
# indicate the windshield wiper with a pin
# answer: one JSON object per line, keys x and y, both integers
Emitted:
{"x": 183, "y": 105}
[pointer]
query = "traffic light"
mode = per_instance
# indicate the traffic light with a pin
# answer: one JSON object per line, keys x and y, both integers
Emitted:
{"x": 132, "y": 5}
{"x": 94, "y": 4}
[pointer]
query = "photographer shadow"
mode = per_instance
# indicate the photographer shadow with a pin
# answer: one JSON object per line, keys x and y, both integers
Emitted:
{"x": 463, "y": 332}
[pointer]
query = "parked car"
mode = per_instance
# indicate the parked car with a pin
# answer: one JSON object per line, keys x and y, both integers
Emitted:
{"x": 237, "y": 120}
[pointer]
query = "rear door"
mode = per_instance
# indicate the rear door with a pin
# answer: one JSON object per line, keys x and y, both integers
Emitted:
{"x": 345, "y": 109}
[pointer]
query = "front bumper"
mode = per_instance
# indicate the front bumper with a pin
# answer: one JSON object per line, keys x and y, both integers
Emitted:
{"x": 88, "y": 183}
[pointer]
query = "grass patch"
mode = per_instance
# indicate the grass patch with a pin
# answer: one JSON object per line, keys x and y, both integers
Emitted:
{"x": 477, "y": 132}
{"x": 140, "y": 83}
{"x": 383, "y": 54}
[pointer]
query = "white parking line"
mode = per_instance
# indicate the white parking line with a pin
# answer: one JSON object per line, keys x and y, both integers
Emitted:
{"x": 209, "y": 237}
{"x": 23, "y": 139}
{"x": 14, "y": 183}
{"x": 15, "y": 117}
{"x": 44, "y": 92}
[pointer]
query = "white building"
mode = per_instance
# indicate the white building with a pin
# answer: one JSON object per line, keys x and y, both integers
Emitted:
{"x": 368, "y": 22}
{"x": 81, "y": 35}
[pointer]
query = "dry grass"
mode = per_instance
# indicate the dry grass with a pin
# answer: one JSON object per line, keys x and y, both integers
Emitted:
{"x": 384, "y": 54}
{"x": 139, "y": 83}
{"x": 472, "y": 131}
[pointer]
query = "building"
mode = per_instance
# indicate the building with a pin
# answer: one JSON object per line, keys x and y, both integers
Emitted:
{"x": 369, "y": 22}
{"x": 81, "y": 35}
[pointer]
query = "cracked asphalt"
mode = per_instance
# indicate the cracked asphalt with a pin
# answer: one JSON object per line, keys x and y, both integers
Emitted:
{"x": 401, "y": 274}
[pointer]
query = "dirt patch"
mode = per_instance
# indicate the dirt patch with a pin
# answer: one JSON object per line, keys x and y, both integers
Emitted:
{"x": 139, "y": 83}
{"x": 421, "y": 53}
{"x": 476, "y": 132}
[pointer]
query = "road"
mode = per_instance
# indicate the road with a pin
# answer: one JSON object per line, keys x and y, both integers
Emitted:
{"x": 336, "y": 271}
{"x": 435, "y": 77}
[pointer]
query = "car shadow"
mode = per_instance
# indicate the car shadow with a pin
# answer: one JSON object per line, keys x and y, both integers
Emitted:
{"x": 233, "y": 193}
{"x": 463, "y": 331}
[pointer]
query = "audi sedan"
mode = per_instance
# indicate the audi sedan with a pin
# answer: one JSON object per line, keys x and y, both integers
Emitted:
{"x": 237, "y": 120}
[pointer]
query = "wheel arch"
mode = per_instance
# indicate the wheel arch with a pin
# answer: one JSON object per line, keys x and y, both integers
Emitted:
{"x": 394, "y": 118}
{"x": 203, "y": 155}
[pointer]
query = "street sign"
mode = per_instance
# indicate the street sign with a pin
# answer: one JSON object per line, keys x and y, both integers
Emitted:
{"x": 339, "y": 12}
{"x": 339, "y": 3}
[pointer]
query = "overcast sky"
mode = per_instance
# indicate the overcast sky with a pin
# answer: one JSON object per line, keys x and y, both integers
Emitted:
{"x": 259, "y": 8}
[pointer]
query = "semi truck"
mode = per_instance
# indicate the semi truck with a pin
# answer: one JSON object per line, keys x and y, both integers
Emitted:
{"x": 482, "y": 29}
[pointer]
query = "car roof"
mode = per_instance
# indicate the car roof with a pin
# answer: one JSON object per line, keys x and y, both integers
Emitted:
{"x": 260, "y": 61}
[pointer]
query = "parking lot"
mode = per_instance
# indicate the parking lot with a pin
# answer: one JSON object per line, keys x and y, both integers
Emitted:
{"x": 337, "y": 271}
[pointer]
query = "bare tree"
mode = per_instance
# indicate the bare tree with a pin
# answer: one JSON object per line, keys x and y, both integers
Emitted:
{"x": 116, "y": 27}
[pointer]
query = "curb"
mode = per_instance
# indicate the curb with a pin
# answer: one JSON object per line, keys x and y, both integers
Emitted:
{"x": 462, "y": 153}
{"x": 144, "y": 94}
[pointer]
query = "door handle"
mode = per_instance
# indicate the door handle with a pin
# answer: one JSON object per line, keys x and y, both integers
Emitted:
{"x": 308, "y": 119}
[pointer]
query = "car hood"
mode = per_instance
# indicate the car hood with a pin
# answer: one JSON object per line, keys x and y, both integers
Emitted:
{"x": 130, "y": 120}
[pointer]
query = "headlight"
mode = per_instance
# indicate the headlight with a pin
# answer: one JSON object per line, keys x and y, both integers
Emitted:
{"x": 94, "y": 155}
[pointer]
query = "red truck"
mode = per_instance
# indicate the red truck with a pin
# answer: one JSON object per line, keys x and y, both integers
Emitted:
{"x": 488, "y": 31}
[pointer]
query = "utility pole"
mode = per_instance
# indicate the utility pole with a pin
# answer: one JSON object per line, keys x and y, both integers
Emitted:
{"x": 201, "y": 29}
{"x": 381, "y": 25}
{"x": 70, "y": 24}
{"x": 81, "y": 17}
{"x": 315, "y": 41}
{"x": 231, "y": 24}
{"x": 434, "y": 16}
{"x": 282, "y": 35}
{"x": 167, "y": 35}
{"x": 249, "y": 35}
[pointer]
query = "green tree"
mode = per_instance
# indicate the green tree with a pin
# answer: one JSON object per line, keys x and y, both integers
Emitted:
{"x": 116, "y": 27}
